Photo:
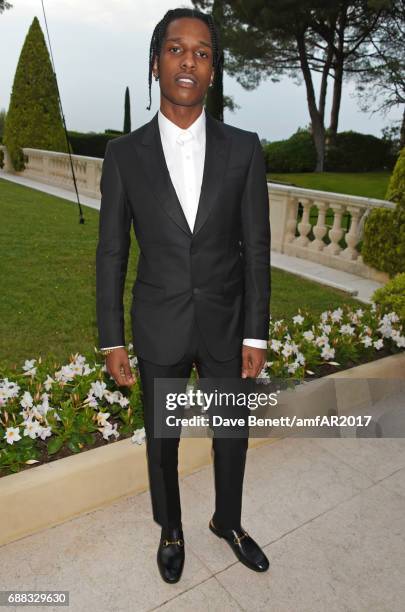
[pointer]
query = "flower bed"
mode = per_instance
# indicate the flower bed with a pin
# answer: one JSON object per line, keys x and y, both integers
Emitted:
{"x": 44, "y": 417}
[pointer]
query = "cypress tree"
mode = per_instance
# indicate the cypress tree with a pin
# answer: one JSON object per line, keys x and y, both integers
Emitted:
{"x": 33, "y": 118}
{"x": 127, "y": 115}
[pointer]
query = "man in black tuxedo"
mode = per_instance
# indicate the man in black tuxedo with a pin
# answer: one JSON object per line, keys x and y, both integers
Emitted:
{"x": 195, "y": 190}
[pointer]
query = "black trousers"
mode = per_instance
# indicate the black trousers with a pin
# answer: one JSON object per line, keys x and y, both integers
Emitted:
{"x": 162, "y": 453}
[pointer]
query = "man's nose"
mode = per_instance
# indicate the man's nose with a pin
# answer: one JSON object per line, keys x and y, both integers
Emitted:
{"x": 188, "y": 60}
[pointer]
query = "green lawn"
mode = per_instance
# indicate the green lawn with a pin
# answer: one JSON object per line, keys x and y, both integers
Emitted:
{"x": 367, "y": 184}
{"x": 47, "y": 269}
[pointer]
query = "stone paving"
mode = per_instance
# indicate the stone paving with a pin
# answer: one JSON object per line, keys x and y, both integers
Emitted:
{"x": 329, "y": 513}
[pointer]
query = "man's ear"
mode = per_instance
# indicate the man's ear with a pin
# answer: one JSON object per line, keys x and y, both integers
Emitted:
{"x": 155, "y": 68}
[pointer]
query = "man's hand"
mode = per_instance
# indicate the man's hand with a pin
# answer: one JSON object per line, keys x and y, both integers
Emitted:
{"x": 253, "y": 360}
{"x": 118, "y": 366}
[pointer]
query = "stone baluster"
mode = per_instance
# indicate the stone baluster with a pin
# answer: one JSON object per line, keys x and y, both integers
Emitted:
{"x": 292, "y": 206}
{"x": 352, "y": 236}
{"x": 320, "y": 228}
{"x": 337, "y": 231}
{"x": 304, "y": 226}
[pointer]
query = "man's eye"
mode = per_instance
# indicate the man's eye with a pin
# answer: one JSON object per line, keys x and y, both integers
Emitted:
{"x": 203, "y": 53}
{"x": 170, "y": 48}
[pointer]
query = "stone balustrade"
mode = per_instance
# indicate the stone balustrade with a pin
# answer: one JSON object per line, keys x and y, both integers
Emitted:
{"x": 329, "y": 243}
{"x": 54, "y": 168}
{"x": 334, "y": 244}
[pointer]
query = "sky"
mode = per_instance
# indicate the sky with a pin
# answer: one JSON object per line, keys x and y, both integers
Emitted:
{"x": 101, "y": 46}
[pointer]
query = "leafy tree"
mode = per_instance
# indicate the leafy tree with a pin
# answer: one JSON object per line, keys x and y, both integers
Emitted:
{"x": 3, "y": 116}
{"x": 34, "y": 117}
{"x": 216, "y": 101}
{"x": 4, "y": 5}
{"x": 299, "y": 38}
{"x": 127, "y": 113}
{"x": 381, "y": 77}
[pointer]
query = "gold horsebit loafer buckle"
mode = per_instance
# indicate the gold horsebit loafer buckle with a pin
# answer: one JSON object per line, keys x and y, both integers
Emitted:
{"x": 238, "y": 539}
{"x": 180, "y": 542}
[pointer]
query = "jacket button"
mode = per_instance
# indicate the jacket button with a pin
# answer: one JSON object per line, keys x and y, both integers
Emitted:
{"x": 196, "y": 290}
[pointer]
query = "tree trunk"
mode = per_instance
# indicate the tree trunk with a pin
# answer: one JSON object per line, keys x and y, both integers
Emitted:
{"x": 318, "y": 126}
{"x": 215, "y": 95}
{"x": 402, "y": 132}
{"x": 338, "y": 83}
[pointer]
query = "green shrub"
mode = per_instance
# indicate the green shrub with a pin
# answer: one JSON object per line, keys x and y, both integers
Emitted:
{"x": 396, "y": 186}
{"x": 384, "y": 231}
{"x": 391, "y": 297}
{"x": 33, "y": 118}
{"x": 355, "y": 152}
{"x": 91, "y": 144}
{"x": 297, "y": 154}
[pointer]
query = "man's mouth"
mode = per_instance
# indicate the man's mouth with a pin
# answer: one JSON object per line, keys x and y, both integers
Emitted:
{"x": 186, "y": 81}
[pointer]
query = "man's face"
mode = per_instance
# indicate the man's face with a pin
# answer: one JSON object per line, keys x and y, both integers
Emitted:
{"x": 186, "y": 52}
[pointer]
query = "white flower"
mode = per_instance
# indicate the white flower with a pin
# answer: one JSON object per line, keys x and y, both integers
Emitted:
{"x": 91, "y": 401}
{"x": 322, "y": 340}
{"x": 400, "y": 341}
{"x": 325, "y": 328}
{"x": 378, "y": 344}
{"x": 287, "y": 350}
{"x": 27, "y": 400}
{"x": 328, "y": 352}
{"x": 292, "y": 367}
{"x": 109, "y": 430}
{"x": 48, "y": 382}
{"x": 324, "y": 316}
{"x": 298, "y": 319}
{"x": 337, "y": 314}
{"x": 359, "y": 312}
{"x": 133, "y": 361}
{"x": 44, "y": 432}
{"x": 8, "y": 390}
{"x": 385, "y": 327}
{"x": 97, "y": 389}
{"x": 300, "y": 358}
{"x": 102, "y": 418}
{"x": 31, "y": 428}
{"x": 12, "y": 434}
{"x": 309, "y": 335}
{"x": 393, "y": 317}
{"x": 139, "y": 435}
{"x": 113, "y": 397}
{"x": 366, "y": 340}
{"x": 276, "y": 345}
{"x": 29, "y": 367}
{"x": 347, "y": 329}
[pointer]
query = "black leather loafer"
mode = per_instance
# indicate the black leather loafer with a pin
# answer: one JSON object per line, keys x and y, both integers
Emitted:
{"x": 245, "y": 548}
{"x": 170, "y": 554}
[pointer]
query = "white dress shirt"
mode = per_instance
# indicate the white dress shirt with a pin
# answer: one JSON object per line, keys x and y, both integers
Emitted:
{"x": 184, "y": 152}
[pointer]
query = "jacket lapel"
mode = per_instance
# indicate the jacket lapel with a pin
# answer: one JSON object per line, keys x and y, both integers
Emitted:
{"x": 217, "y": 148}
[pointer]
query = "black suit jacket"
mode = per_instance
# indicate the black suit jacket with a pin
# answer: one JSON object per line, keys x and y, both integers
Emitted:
{"x": 218, "y": 273}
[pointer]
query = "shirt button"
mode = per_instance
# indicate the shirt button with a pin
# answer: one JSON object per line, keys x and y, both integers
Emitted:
{"x": 196, "y": 290}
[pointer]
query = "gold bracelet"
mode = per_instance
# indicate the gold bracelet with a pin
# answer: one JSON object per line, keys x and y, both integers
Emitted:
{"x": 106, "y": 352}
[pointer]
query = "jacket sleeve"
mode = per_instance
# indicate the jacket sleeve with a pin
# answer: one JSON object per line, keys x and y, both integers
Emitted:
{"x": 256, "y": 246}
{"x": 112, "y": 253}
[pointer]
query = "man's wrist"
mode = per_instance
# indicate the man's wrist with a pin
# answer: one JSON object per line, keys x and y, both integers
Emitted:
{"x": 255, "y": 342}
{"x": 109, "y": 349}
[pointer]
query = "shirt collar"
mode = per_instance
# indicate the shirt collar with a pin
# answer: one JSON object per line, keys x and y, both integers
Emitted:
{"x": 170, "y": 131}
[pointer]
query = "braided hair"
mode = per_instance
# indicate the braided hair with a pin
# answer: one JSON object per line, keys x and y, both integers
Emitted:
{"x": 160, "y": 31}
